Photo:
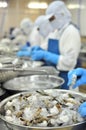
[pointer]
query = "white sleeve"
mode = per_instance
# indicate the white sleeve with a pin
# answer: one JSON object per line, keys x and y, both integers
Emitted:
{"x": 44, "y": 43}
{"x": 69, "y": 46}
{"x": 35, "y": 38}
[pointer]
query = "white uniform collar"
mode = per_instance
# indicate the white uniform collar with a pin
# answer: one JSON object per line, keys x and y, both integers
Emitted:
{"x": 64, "y": 27}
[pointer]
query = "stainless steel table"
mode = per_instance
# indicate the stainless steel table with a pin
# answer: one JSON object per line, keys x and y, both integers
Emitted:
{"x": 3, "y": 126}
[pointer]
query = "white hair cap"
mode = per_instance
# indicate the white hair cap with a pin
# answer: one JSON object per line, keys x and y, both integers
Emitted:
{"x": 16, "y": 32}
{"x": 43, "y": 25}
{"x": 60, "y": 11}
{"x": 39, "y": 20}
{"x": 26, "y": 25}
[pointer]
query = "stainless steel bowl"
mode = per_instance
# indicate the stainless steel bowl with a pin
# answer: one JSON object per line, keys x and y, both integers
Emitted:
{"x": 35, "y": 82}
{"x": 12, "y": 126}
{"x": 2, "y": 92}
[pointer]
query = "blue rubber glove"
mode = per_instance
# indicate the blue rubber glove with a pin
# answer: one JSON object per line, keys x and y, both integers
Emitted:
{"x": 36, "y": 48}
{"x": 82, "y": 109}
{"x": 24, "y": 48}
{"x": 45, "y": 55}
{"x": 23, "y": 53}
{"x": 78, "y": 72}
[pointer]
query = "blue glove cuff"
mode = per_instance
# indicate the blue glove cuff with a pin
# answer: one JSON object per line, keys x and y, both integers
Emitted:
{"x": 50, "y": 57}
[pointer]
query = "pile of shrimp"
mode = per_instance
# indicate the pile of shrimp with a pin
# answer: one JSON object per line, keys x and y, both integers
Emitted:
{"x": 44, "y": 109}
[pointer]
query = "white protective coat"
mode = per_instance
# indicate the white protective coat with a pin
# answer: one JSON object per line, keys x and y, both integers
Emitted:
{"x": 35, "y": 38}
{"x": 69, "y": 47}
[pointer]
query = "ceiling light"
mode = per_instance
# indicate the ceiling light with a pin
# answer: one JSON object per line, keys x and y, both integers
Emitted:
{"x": 37, "y": 5}
{"x": 3, "y": 4}
{"x": 75, "y": 6}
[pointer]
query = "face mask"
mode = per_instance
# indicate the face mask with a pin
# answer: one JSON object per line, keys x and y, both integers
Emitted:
{"x": 45, "y": 28}
{"x": 26, "y": 31}
{"x": 61, "y": 13}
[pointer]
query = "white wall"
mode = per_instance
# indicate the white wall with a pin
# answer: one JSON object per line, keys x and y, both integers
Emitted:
{"x": 79, "y": 14}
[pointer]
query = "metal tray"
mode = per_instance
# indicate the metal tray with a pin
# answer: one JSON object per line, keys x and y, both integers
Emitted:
{"x": 10, "y": 62}
{"x": 7, "y": 73}
{"x": 35, "y": 82}
{"x": 6, "y": 59}
{"x": 34, "y": 64}
{"x": 3, "y": 126}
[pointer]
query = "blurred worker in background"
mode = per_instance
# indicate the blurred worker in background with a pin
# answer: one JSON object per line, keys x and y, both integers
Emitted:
{"x": 32, "y": 36}
{"x": 63, "y": 51}
{"x": 19, "y": 38}
{"x": 7, "y": 38}
{"x": 10, "y": 33}
{"x": 26, "y": 26}
{"x": 81, "y": 80}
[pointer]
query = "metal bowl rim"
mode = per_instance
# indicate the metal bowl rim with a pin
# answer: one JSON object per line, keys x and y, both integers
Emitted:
{"x": 15, "y": 95}
{"x": 39, "y": 76}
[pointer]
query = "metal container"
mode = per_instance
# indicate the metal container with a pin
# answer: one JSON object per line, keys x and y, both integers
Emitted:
{"x": 2, "y": 126}
{"x": 12, "y": 126}
{"x": 7, "y": 75}
{"x": 31, "y": 83}
{"x": 2, "y": 92}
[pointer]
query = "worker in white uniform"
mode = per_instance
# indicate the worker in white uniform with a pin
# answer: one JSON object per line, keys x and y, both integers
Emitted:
{"x": 63, "y": 52}
{"x": 19, "y": 38}
{"x": 81, "y": 80}
{"x": 32, "y": 34}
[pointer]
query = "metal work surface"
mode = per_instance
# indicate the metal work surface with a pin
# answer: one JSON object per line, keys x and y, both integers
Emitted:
{"x": 3, "y": 126}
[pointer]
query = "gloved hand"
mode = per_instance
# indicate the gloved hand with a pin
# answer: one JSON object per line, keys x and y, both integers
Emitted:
{"x": 79, "y": 72}
{"x": 36, "y": 48}
{"x": 25, "y": 47}
{"x": 45, "y": 55}
{"x": 82, "y": 109}
{"x": 23, "y": 53}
